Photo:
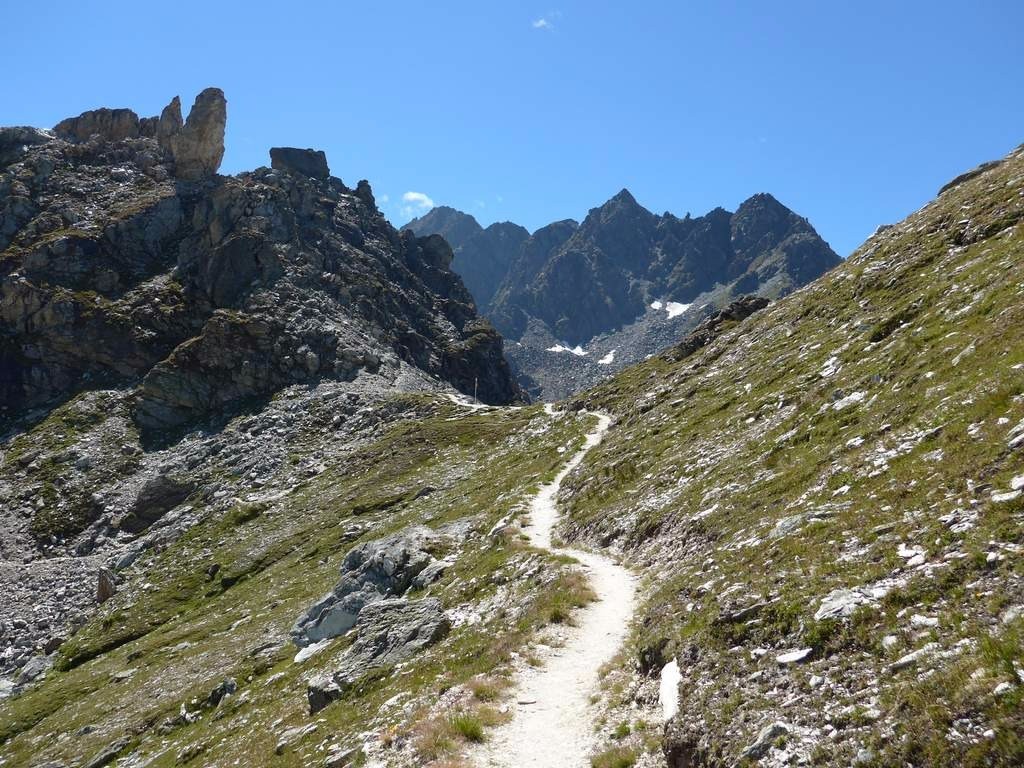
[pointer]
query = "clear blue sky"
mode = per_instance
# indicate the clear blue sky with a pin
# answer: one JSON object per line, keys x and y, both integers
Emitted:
{"x": 851, "y": 113}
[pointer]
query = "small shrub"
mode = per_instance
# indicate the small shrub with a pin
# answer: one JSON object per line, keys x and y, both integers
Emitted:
{"x": 467, "y": 725}
{"x": 433, "y": 739}
{"x": 616, "y": 757}
{"x": 484, "y": 688}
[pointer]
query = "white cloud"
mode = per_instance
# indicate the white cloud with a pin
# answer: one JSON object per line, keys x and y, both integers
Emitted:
{"x": 480, "y": 204}
{"x": 415, "y": 204}
{"x": 547, "y": 21}
{"x": 383, "y": 199}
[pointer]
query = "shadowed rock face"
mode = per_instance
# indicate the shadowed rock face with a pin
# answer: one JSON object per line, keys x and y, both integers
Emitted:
{"x": 481, "y": 256}
{"x": 128, "y": 261}
{"x": 307, "y": 162}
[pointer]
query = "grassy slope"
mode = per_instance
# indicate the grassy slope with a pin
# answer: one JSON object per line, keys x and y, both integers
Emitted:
{"x": 924, "y": 322}
{"x": 177, "y": 633}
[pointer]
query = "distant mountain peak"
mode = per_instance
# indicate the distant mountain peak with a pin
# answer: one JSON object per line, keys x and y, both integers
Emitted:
{"x": 576, "y": 283}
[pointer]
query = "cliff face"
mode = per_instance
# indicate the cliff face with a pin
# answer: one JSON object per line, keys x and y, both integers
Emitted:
{"x": 125, "y": 259}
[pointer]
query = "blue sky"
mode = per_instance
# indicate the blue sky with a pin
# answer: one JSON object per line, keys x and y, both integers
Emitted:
{"x": 853, "y": 114}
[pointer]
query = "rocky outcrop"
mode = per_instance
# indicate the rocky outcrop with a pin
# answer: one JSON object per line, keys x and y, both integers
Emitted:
{"x": 198, "y": 147}
{"x": 117, "y": 269}
{"x": 713, "y": 326}
{"x": 104, "y": 124}
{"x": 306, "y": 162}
{"x": 169, "y": 123}
{"x": 370, "y": 572}
{"x": 389, "y": 632}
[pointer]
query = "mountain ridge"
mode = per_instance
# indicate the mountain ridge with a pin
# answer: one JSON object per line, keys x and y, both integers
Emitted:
{"x": 593, "y": 284}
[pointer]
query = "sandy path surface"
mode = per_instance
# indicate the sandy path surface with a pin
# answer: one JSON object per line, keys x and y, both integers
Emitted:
{"x": 553, "y": 720}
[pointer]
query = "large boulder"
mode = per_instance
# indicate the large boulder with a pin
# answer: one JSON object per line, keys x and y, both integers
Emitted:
{"x": 389, "y": 632}
{"x": 107, "y": 124}
{"x": 157, "y": 496}
{"x": 372, "y": 571}
{"x": 198, "y": 147}
{"x": 305, "y": 162}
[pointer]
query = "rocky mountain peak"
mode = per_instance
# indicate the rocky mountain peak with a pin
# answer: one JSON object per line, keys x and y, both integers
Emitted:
{"x": 198, "y": 299}
{"x": 197, "y": 145}
{"x": 622, "y": 207}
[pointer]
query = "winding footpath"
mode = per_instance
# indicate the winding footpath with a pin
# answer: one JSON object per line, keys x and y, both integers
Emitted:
{"x": 552, "y": 726}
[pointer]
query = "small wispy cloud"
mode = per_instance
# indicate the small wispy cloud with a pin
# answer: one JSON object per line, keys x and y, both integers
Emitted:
{"x": 415, "y": 204}
{"x": 382, "y": 199}
{"x": 547, "y": 21}
{"x": 480, "y": 203}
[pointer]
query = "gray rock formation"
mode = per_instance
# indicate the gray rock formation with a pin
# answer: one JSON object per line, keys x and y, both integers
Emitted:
{"x": 307, "y": 162}
{"x": 389, "y": 632}
{"x": 106, "y": 124}
{"x": 370, "y": 572}
{"x": 169, "y": 123}
{"x": 198, "y": 147}
{"x": 209, "y": 298}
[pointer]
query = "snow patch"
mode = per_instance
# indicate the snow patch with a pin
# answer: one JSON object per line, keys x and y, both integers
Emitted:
{"x": 312, "y": 650}
{"x": 668, "y": 690}
{"x": 607, "y": 359}
{"x": 577, "y": 350}
{"x": 674, "y": 309}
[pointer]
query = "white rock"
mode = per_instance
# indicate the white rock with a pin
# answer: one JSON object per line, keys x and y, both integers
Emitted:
{"x": 999, "y": 498}
{"x": 918, "y": 621}
{"x": 912, "y": 657}
{"x": 889, "y": 641}
{"x": 908, "y": 552}
{"x": 1003, "y": 688}
{"x": 1017, "y": 483}
{"x": 840, "y": 603}
{"x": 794, "y": 657}
{"x": 851, "y": 399}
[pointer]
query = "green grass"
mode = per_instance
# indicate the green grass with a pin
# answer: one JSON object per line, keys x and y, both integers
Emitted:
{"x": 187, "y": 631}
{"x": 710, "y": 453}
